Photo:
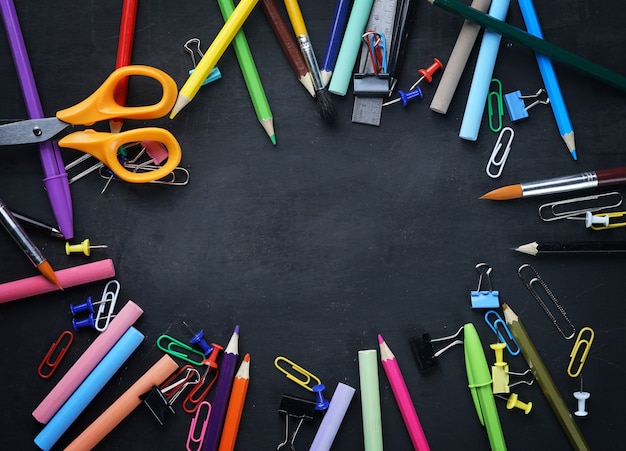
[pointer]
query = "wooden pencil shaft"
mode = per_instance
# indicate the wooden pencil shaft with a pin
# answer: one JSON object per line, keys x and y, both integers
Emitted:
{"x": 548, "y": 387}
{"x": 285, "y": 37}
{"x": 540, "y": 45}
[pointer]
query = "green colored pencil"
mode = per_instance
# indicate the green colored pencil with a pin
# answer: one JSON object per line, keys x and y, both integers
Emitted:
{"x": 539, "y": 45}
{"x": 250, "y": 74}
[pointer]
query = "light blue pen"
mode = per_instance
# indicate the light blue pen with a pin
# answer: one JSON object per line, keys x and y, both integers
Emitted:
{"x": 549, "y": 79}
{"x": 477, "y": 98}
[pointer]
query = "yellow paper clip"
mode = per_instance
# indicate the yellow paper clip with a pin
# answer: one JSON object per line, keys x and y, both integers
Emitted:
{"x": 321, "y": 403}
{"x": 586, "y": 342}
{"x": 603, "y": 221}
{"x": 298, "y": 370}
{"x": 497, "y": 95}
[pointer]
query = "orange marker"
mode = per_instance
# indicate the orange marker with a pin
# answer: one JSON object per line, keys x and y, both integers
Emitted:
{"x": 235, "y": 406}
{"x": 28, "y": 247}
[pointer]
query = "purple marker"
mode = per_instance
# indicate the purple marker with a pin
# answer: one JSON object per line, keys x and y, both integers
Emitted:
{"x": 223, "y": 387}
{"x": 55, "y": 177}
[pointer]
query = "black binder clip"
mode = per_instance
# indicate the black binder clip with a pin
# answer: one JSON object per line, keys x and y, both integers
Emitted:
{"x": 157, "y": 404}
{"x": 375, "y": 83}
{"x": 424, "y": 352}
{"x": 294, "y": 407}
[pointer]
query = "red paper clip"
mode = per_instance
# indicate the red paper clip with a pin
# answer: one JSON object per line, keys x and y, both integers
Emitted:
{"x": 54, "y": 364}
{"x": 193, "y": 399}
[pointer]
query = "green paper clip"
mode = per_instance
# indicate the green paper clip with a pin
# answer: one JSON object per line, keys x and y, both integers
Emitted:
{"x": 171, "y": 350}
{"x": 497, "y": 94}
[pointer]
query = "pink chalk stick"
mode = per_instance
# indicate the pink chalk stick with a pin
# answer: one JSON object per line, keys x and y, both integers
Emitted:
{"x": 87, "y": 362}
{"x": 70, "y": 277}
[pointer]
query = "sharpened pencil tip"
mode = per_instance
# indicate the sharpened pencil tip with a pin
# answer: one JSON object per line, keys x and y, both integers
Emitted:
{"x": 380, "y": 339}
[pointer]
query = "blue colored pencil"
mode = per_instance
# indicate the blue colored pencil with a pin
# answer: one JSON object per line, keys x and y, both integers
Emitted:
{"x": 223, "y": 387}
{"x": 338, "y": 27}
{"x": 549, "y": 79}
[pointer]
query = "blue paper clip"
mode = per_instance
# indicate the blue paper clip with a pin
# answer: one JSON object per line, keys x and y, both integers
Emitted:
{"x": 484, "y": 298}
{"x": 171, "y": 349}
{"x": 499, "y": 322}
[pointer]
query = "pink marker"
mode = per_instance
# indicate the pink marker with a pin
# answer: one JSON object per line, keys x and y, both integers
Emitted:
{"x": 401, "y": 393}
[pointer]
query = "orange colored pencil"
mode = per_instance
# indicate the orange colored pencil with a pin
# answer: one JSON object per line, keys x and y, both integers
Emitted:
{"x": 235, "y": 406}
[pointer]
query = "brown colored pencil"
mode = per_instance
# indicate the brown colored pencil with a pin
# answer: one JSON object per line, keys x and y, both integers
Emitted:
{"x": 288, "y": 44}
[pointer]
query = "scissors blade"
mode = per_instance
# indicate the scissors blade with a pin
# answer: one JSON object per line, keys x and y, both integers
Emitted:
{"x": 30, "y": 131}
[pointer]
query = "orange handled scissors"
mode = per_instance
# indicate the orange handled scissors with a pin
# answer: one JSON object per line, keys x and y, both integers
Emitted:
{"x": 101, "y": 106}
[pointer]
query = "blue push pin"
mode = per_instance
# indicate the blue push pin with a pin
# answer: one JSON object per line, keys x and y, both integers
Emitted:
{"x": 405, "y": 97}
{"x": 198, "y": 339}
{"x": 87, "y": 305}
{"x": 87, "y": 322}
{"x": 321, "y": 403}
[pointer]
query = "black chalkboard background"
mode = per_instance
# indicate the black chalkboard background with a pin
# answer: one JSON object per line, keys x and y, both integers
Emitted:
{"x": 317, "y": 244}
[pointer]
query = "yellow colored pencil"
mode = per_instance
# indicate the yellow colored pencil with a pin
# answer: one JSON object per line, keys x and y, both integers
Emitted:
{"x": 213, "y": 54}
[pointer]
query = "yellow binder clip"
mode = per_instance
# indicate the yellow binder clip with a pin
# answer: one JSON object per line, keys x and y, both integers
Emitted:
{"x": 303, "y": 378}
{"x": 580, "y": 342}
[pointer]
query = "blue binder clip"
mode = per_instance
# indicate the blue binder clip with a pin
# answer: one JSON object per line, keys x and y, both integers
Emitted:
{"x": 516, "y": 107}
{"x": 484, "y": 298}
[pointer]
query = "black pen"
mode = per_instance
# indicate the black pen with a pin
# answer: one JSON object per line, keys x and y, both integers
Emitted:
{"x": 29, "y": 248}
{"x": 37, "y": 225}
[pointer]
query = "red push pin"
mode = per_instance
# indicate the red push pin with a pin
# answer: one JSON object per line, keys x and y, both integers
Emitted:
{"x": 211, "y": 360}
{"x": 427, "y": 74}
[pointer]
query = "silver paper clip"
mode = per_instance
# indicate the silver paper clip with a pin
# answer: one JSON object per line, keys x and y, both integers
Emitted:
{"x": 536, "y": 279}
{"x": 575, "y": 207}
{"x": 495, "y": 165}
{"x": 109, "y": 298}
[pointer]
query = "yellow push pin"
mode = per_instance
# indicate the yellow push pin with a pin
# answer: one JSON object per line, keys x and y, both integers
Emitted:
{"x": 85, "y": 247}
{"x": 513, "y": 402}
{"x": 498, "y": 348}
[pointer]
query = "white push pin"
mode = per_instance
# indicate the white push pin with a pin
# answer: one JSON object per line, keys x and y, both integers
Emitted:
{"x": 591, "y": 219}
{"x": 582, "y": 397}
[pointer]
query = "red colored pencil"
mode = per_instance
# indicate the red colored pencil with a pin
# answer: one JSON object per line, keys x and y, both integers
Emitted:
{"x": 124, "y": 53}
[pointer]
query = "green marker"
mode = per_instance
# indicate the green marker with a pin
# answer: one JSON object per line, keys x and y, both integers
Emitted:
{"x": 479, "y": 379}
